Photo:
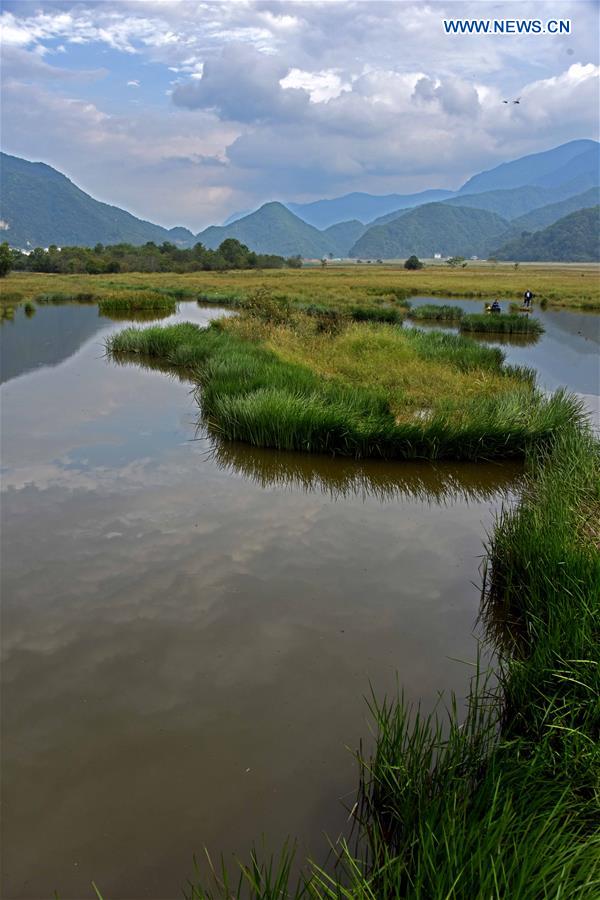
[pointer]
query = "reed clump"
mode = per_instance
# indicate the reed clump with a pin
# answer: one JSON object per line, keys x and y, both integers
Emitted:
{"x": 389, "y": 314}
{"x": 506, "y": 804}
{"x": 136, "y": 301}
{"x": 501, "y": 323}
{"x": 443, "y": 313}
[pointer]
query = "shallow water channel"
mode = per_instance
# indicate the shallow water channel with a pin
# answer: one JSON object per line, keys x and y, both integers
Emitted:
{"x": 189, "y": 630}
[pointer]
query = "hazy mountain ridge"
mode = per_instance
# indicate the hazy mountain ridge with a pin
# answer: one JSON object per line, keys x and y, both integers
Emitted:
{"x": 574, "y": 238}
{"x": 546, "y": 215}
{"x": 430, "y": 229}
{"x": 361, "y": 206}
{"x": 275, "y": 229}
{"x": 545, "y": 169}
{"x": 41, "y": 206}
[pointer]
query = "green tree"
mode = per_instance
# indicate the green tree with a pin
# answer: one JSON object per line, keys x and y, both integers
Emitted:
{"x": 455, "y": 261}
{"x": 6, "y": 259}
{"x": 413, "y": 262}
{"x": 235, "y": 253}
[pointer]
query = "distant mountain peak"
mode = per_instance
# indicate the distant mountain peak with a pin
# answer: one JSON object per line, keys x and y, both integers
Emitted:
{"x": 533, "y": 169}
{"x": 41, "y": 206}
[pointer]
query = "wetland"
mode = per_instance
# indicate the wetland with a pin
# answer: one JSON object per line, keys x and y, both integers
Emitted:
{"x": 190, "y": 624}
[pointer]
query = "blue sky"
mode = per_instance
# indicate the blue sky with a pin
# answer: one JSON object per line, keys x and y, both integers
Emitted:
{"x": 185, "y": 111}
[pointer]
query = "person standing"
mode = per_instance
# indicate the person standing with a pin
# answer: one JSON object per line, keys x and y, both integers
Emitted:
{"x": 527, "y": 298}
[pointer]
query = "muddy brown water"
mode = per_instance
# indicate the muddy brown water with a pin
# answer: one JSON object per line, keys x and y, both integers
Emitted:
{"x": 189, "y": 630}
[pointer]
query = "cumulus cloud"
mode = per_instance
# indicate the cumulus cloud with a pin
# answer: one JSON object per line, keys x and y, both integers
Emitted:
{"x": 243, "y": 85}
{"x": 455, "y": 96}
{"x": 321, "y": 86}
{"x": 294, "y": 100}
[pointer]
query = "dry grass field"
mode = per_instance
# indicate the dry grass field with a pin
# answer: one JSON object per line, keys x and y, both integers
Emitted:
{"x": 576, "y": 286}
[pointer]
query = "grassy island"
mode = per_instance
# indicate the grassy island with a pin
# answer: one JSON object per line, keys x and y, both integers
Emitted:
{"x": 278, "y": 378}
{"x": 506, "y": 323}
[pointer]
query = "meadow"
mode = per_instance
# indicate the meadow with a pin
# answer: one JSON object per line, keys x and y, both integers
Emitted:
{"x": 575, "y": 286}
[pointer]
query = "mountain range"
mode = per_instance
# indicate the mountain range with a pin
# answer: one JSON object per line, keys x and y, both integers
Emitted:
{"x": 430, "y": 229}
{"x": 573, "y": 238}
{"x": 275, "y": 229}
{"x": 492, "y": 210}
{"x": 41, "y": 206}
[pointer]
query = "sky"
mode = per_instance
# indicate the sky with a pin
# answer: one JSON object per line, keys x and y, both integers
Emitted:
{"x": 186, "y": 111}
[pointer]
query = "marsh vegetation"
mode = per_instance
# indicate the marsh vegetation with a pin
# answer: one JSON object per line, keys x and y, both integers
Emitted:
{"x": 432, "y": 312}
{"x": 575, "y": 286}
{"x": 505, "y": 323}
{"x": 281, "y": 379}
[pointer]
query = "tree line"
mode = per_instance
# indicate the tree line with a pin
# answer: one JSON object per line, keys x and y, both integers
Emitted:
{"x": 149, "y": 257}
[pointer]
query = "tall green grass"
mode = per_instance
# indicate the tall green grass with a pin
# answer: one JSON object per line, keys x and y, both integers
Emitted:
{"x": 249, "y": 394}
{"x": 454, "y": 349}
{"x": 429, "y": 311}
{"x": 384, "y": 314}
{"x": 136, "y": 301}
{"x": 503, "y": 323}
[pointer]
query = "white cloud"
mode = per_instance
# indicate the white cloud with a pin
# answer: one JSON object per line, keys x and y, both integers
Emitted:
{"x": 321, "y": 86}
{"x": 289, "y": 99}
{"x": 166, "y": 167}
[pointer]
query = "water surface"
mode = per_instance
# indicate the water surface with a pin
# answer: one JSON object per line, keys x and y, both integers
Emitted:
{"x": 188, "y": 629}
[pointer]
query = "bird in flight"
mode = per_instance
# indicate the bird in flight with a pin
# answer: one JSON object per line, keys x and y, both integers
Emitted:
{"x": 517, "y": 101}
